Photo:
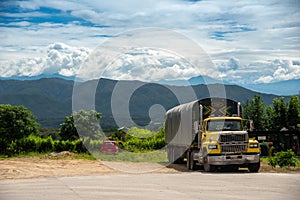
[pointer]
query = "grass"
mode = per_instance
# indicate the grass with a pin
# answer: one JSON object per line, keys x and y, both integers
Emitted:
{"x": 85, "y": 156}
{"x": 125, "y": 156}
{"x": 50, "y": 155}
{"x": 24, "y": 155}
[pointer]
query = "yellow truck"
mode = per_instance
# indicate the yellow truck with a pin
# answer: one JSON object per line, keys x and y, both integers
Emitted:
{"x": 210, "y": 133}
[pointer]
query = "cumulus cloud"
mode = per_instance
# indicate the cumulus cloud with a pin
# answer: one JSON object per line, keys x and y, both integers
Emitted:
{"x": 150, "y": 65}
{"x": 259, "y": 72}
{"x": 64, "y": 59}
{"x": 22, "y": 67}
{"x": 60, "y": 58}
{"x": 282, "y": 70}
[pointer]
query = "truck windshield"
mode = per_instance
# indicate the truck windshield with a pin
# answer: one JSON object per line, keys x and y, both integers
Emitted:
{"x": 223, "y": 125}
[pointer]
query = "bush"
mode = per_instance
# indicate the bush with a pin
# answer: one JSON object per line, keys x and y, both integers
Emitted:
{"x": 28, "y": 144}
{"x": 58, "y": 146}
{"x": 79, "y": 147}
{"x": 46, "y": 145}
{"x": 143, "y": 140}
{"x": 283, "y": 159}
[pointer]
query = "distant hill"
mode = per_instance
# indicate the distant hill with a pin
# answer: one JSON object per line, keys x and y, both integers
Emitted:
{"x": 286, "y": 88}
{"x": 289, "y": 87}
{"x": 37, "y": 77}
{"x": 50, "y": 99}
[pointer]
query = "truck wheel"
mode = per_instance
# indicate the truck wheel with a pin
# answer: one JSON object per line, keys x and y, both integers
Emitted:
{"x": 254, "y": 167}
{"x": 188, "y": 163}
{"x": 191, "y": 165}
{"x": 207, "y": 167}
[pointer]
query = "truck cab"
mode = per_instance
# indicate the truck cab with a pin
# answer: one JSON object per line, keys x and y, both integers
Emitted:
{"x": 225, "y": 142}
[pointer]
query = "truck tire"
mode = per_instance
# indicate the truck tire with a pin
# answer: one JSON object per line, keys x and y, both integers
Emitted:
{"x": 190, "y": 163}
{"x": 254, "y": 167}
{"x": 207, "y": 167}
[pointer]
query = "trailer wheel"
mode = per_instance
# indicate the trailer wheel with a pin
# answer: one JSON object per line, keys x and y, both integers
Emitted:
{"x": 254, "y": 167}
{"x": 188, "y": 163}
{"x": 192, "y": 162}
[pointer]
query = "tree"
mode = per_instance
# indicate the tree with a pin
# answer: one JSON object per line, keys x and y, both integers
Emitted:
{"x": 268, "y": 118}
{"x": 254, "y": 110}
{"x": 67, "y": 130}
{"x": 279, "y": 116}
{"x": 82, "y": 123}
{"x": 293, "y": 113}
{"x": 16, "y": 122}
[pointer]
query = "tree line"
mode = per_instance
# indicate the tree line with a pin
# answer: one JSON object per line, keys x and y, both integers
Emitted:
{"x": 281, "y": 115}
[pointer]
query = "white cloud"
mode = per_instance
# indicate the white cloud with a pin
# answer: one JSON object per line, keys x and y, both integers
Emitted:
{"x": 150, "y": 65}
{"x": 283, "y": 70}
{"x": 60, "y": 58}
{"x": 22, "y": 67}
{"x": 259, "y": 72}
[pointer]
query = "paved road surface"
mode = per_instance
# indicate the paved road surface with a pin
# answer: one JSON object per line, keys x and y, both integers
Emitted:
{"x": 191, "y": 185}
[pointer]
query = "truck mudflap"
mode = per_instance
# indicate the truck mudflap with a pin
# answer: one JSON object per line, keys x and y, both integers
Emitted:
{"x": 233, "y": 159}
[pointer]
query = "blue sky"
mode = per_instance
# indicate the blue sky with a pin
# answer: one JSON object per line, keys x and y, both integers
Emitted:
{"x": 248, "y": 41}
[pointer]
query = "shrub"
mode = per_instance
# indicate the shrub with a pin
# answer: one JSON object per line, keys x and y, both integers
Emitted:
{"x": 58, "y": 146}
{"x": 46, "y": 144}
{"x": 28, "y": 144}
{"x": 79, "y": 147}
{"x": 283, "y": 159}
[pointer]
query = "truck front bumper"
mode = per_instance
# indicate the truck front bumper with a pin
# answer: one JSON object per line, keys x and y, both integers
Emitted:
{"x": 233, "y": 159}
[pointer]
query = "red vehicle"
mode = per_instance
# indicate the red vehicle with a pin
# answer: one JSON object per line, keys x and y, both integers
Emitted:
{"x": 109, "y": 146}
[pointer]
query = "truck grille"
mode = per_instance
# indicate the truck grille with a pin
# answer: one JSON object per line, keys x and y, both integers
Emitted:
{"x": 233, "y": 137}
{"x": 233, "y": 148}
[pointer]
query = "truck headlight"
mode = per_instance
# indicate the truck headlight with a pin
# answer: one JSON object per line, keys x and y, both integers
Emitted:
{"x": 212, "y": 146}
{"x": 253, "y": 145}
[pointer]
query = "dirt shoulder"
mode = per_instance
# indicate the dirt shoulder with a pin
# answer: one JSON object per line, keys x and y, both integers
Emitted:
{"x": 66, "y": 165}
{"x": 36, "y": 167}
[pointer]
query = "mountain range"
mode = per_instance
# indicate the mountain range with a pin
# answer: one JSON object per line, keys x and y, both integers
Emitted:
{"x": 50, "y": 99}
{"x": 280, "y": 88}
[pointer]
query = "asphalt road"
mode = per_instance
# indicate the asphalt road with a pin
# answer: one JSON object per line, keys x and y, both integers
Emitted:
{"x": 186, "y": 185}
